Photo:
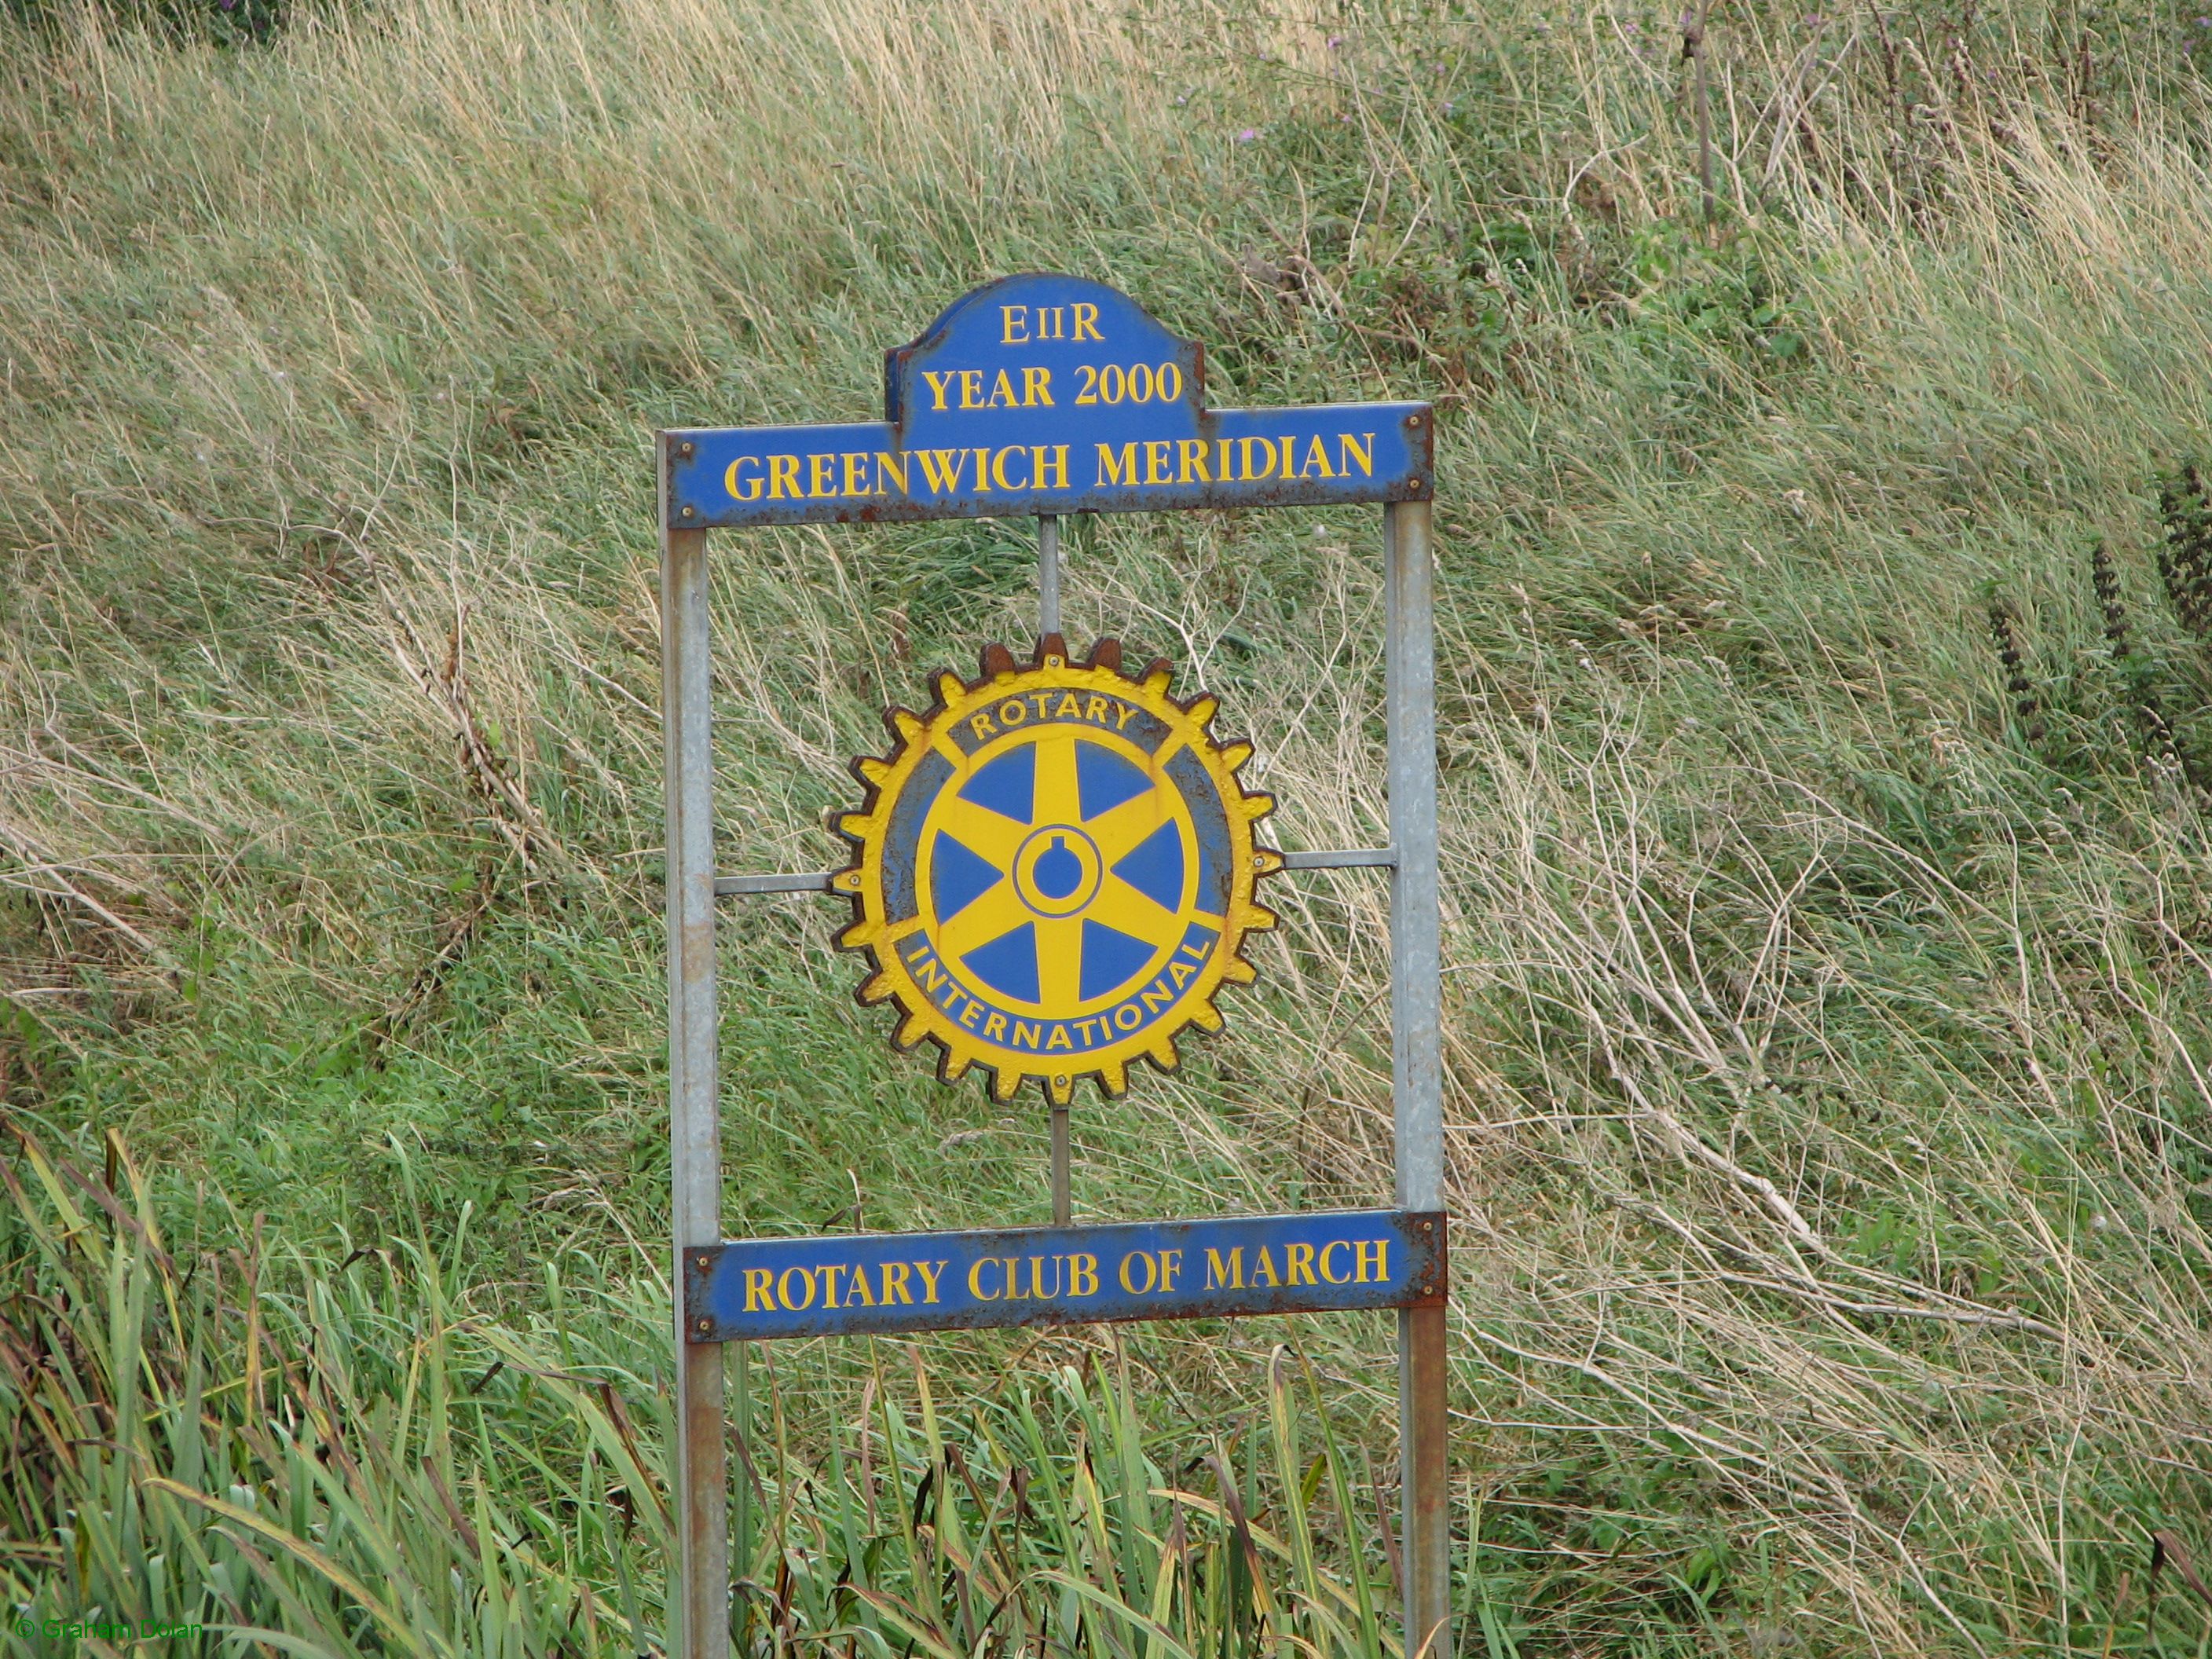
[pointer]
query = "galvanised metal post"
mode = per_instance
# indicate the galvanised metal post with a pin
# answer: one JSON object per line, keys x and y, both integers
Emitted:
{"x": 699, "y": 1609}
{"x": 1416, "y": 1054}
{"x": 1063, "y": 1194}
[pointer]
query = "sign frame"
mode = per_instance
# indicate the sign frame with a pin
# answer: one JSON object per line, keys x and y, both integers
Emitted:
{"x": 700, "y": 1600}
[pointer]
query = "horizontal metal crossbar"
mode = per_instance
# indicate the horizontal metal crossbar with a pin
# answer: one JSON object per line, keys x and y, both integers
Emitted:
{"x": 818, "y": 881}
{"x": 1348, "y": 858}
{"x": 813, "y": 881}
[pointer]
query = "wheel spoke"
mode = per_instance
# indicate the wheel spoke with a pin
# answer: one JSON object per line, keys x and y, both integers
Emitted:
{"x": 1118, "y": 828}
{"x": 1134, "y": 913}
{"x": 1057, "y": 800}
{"x": 989, "y": 835}
{"x": 995, "y": 914}
{"x": 1059, "y": 962}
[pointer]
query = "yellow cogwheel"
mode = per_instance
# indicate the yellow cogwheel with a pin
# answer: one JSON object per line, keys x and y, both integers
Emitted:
{"x": 1053, "y": 871}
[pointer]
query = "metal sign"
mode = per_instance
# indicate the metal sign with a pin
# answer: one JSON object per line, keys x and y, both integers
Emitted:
{"x": 882, "y": 1283}
{"x": 1054, "y": 872}
{"x": 1047, "y": 394}
{"x": 1054, "y": 869}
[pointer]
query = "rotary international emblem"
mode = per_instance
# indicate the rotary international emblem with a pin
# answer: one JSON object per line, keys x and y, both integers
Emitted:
{"x": 1054, "y": 871}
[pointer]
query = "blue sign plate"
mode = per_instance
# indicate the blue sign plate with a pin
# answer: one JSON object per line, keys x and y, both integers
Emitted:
{"x": 885, "y": 1282}
{"x": 1047, "y": 394}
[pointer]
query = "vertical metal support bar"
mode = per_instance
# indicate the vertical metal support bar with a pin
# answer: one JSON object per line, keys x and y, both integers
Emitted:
{"x": 1048, "y": 573}
{"x": 1063, "y": 1201}
{"x": 1416, "y": 1055}
{"x": 699, "y": 1608}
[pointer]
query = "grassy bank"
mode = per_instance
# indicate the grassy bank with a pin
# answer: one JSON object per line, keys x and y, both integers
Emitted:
{"x": 1825, "y": 991}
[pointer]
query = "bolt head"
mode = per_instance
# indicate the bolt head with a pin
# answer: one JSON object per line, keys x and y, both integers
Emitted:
{"x": 686, "y": 449}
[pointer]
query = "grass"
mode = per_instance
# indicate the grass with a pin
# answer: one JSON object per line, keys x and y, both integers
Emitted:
{"x": 1827, "y": 1047}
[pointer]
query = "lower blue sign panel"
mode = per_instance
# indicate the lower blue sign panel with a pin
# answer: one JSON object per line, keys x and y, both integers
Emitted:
{"x": 1332, "y": 1261}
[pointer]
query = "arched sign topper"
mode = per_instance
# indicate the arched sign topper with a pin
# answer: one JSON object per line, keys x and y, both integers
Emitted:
{"x": 1053, "y": 872}
{"x": 1048, "y": 395}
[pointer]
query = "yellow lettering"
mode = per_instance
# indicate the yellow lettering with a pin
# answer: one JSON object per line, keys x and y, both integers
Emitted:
{"x": 971, "y": 1013}
{"x": 1156, "y": 460}
{"x": 982, "y": 469}
{"x": 1225, "y": 460}
{"x": 1287, "y": 445}
{"x": 1013, "y": 712}
{"x": 1380, "y": 1260}
{"x": 1158, "y": 995}
{"x": 1268, "y": 449}
{"x": 1082, "y": 1275}
{"x": 975, "y": 1280}
{"x": 783, "y": 478}
{"x": 1121, "y": 713}
{"x": 893, "y": 468}
{"x": 1050, "y": 463}
{"x": 1027, "y": 1034}
{"x": 1151, "y": 1272}
{"x": 928, "y": 973}
{"x": 858, "y": 1292}
{"x": 999, "y": 466}
{"x": 829, "y": 1272}
{"x": 1327, "y": 1250}
{"x": 1094, "y": 709}
{"x": 1002, "y": 392}
{"x": 856, "y": 472}
{"x": 982, "y": 725}
{"x": 1298, "y": 1264}
{"x": 783, "y": 1289}
{"x": 730, "y": 480}
{"x": 1349, "y": 449}
{"x": 971, "y": 388}
{"x": 937, "y": 384}
{"x": 760, "y": 1290}
{"x": 942, "y": 468}
{"x": 1037, "y": 387}
{"x": 1183, "y": 972}
{"x": 1016, "y": 316}
{"x": 1117, "y": 470}
{"x": 1059, "y": 1038}
{"x": 1193, "y": 453}
{"x": 994, "y": 1028}
{"x": 1069, "y": 707}
{"x": 1058, "y": 331}
{"x": 1316, "y": 454}
{"x": 894, "y": 1287}
{"x": 1264, "y": 1264}
{"x": 1170, "y": 1265}
{"x": 1225, "y": 1275}
{"x": 1086, "y": 323}
{"x": 820, "y": 481}
{"x": 929, "y": 1271}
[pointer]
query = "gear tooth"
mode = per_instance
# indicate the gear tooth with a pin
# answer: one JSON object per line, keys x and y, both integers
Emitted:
{"x": 1107, "y": 654}
{"x": 954, "y": 1066}
{"x": 1113, "y": 1079}
{"x": 1259, "y": 919}
{"x": 854, "y": 824}
{"x": 911, "y": 1031}
{"x": 1234, "y": 755}
{"x": 908, "y": 724}
{"x": 1205, "y": 1016}
{"x": 1058, "y": 1090}
{"x": 1004, "y": 1082}
{"x": 1266, "y": 860}
{"x": 1237, "y": 971}
{"x": 858, "y": 937}
{"x": 876, "y": 989}
{"x": 1162, "y": 1053}
{"x": 1159, "y": 676}
{"x": 873, "y": 769}
{"x": 1050, "y": 647}
{"x": 1202, "y": 709}
{"x": 950, "y": 687}
{"x": 1257, "y": 806}
{"x": 997, "y": 660}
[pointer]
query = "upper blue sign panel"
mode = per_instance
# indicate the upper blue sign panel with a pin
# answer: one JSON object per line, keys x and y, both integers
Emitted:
{"x": 1047, "y": 394}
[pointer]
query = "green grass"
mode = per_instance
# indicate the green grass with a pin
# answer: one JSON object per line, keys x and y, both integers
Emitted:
{"x": 1827, "y": 1050}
